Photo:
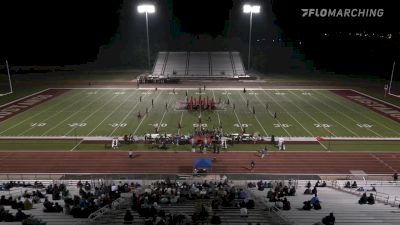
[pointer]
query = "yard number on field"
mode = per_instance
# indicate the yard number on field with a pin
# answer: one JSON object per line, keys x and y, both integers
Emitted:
{"x": 243, "y": 125}
{"x": 283, "y": 125}
{"x": 159, "y": 125}
{"x": 202, "y": 125}
{"x": 38, "y": 124}
{"x": 118, "y": 124}
{"x": 77, "y": 124}
{"x": 364, "y": 125}
{"x": 322, "y": 125}
{"x": 306, "y": 93}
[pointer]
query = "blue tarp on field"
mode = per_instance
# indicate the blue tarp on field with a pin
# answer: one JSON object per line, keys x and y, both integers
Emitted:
{"x": 200, "y": 163}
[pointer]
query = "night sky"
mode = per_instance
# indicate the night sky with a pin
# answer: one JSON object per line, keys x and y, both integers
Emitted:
{"x": 66, "y": 32}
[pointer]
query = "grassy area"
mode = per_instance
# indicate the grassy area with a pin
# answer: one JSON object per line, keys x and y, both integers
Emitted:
{"x": 67, "y": 145}
{"x": 114, "y": 112}
{"x": 37, "y": 145}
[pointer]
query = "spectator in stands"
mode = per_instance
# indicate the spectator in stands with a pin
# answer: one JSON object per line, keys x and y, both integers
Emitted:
{"x": 307, "y": 205}
{"x": 292, "y": 191}
{"x": 307, "y": 191}
{"x": 354, "y": 185}
{"x": 243, "y": 212}
{"x": 67, "y": 209}
{"x": 316, "y": 202}
{"x": 4, "y": 201}
{"x": 371, "y": 199}
{"x": 329, "y": 220}
{"x": 27, "y": 204}
{"x": 215, "y": 219}
{"x": 203, "y": 213}
{"x": 363, "y": 199}
{"x": 395, "y": 177}
{"x": 347, "y": 185}
{"x": 286, "y": 204}
{"x": 128, "y": 218}
{"x": 19, "y": 216}
{"x": 314, "y": 190}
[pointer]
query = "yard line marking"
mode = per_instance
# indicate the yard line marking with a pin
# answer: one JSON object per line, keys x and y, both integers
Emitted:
{"x": 73, "y": 114}
{"x": 52, "y": 116}
{"x": 92, "y": 114}
{"x": 180, "y": 120}
{"x": 344, "y": 114}
{"x": 80, "y": 142}
{"x": 126, "y": 116}
{"x": 310, "y": 116}
{"x": 294, "y": 118}
{"x": 40, "y": 112}
{"x": 358, "y": 113}
{"x": 254, "y": 115}
{"x": 279, "y": 122}
{"x": 325, "y": 114}
{"x": 219, "y": 121}
{"x": 165, "y": 111}
{"x": 141, "y": 121}
{"x": 123, "y": 102}
{"x": 234, "y": 110}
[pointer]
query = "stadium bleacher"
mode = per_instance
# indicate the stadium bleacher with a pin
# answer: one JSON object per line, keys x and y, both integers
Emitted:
{"x": 191, "y": 65}
{"x": 344, "y": 206}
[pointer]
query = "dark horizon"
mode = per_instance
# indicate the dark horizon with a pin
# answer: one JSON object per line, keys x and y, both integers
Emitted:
{"x": 113, "y": 33}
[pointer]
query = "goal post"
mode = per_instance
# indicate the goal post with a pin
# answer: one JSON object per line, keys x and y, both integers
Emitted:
{"x": 394, "y": 83}
{"x": 5, "y": 79}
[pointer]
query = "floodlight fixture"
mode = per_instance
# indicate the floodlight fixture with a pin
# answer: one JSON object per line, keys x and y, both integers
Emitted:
{"x": 251, "y": 8}
{"x": 146, "y": 9}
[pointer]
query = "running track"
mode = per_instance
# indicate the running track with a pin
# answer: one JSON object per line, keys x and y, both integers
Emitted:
{"x": 172, "y": 163}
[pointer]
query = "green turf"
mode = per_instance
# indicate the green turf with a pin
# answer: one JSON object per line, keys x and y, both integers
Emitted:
{"x": 37, "y": 145}
{"x": 113, "y": 112}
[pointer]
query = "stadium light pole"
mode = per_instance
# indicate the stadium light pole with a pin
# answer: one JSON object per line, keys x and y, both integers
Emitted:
{"x": 250, "y": 9}
{"x": 146, "y": 9}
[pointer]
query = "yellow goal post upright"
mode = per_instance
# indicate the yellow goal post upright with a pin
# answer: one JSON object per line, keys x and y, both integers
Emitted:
{"x": 8, "y": 89}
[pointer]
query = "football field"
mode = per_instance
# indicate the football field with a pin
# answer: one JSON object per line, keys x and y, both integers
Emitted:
{"x": 115, "y": 112}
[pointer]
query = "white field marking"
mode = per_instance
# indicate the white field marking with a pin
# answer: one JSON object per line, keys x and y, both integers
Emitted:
{"x": 219, "y": 121}
{"x": 262, "y": 127}
{"x": 165, "y": 112}
{"x": 22, "y": 98}
{"x": 126, "y": 116}
{"x": 141, "y": 121}
{"x": 325, "y": 114}
{"x": 76, "y": 145}
{"x": 41, "y": 112}
{"x": 73, "y": 114}
{"x": 234, "y": 110}
{"x": 279, "y": 122}
{"x": 129, "y": 96}
{"x": 294, "y": 119}
{"x": 344, "y": 114}
{"x": 365, "y": 116}
{"x": 377, "y": 99}
{"x": 52, "y": 116}
{"x": 311, "y": 117}
{"x": 86, "y": 118}
{"x": 180, "y": 122}
{"x": 383, "y": 162}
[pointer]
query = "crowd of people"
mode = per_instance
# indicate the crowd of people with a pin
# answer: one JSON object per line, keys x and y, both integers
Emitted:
{"x": 149, "y": 202}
